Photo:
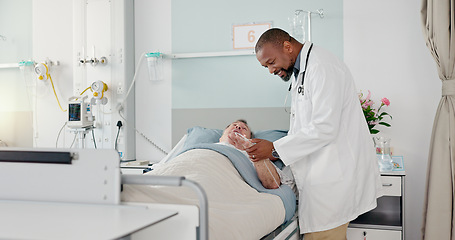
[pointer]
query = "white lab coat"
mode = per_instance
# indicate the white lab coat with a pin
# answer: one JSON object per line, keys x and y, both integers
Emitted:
{"x": 329, "y": 148}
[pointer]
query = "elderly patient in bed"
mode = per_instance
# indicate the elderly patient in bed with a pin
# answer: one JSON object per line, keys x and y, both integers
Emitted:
{"x": 228, "y": 190}
{"x": 266, "y": 170}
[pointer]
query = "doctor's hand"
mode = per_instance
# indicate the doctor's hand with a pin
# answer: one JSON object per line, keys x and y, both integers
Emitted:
{"x": 261, "y": 150}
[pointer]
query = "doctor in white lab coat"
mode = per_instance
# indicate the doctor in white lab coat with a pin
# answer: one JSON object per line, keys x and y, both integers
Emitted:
{"x": 328, "y": 148}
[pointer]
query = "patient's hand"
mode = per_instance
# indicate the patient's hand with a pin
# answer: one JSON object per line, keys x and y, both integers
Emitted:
{"x": 239, "y": 141}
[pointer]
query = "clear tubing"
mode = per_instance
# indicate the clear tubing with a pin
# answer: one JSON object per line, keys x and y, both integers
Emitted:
{"x": 134, "y": 78}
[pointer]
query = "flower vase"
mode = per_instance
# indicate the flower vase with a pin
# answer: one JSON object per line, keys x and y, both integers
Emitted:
{"x": 383, "y": 155}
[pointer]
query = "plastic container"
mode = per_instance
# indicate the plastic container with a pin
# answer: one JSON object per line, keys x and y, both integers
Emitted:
{"x": 155, "y": 66}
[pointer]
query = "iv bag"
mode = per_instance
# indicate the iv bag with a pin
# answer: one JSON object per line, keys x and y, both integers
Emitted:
{"x": 297, "y": 23}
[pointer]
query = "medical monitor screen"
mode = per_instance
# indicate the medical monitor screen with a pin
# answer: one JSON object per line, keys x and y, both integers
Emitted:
{"x": 74, "y": 112}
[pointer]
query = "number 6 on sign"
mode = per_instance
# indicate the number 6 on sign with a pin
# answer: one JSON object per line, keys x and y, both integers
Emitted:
{"x": 246, "y": 36}
{"x": 251, "y": 37}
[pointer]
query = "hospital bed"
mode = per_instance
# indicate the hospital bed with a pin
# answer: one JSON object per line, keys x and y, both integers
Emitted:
{"x": 267, "y": 228}
{"x": 91, "y": 178}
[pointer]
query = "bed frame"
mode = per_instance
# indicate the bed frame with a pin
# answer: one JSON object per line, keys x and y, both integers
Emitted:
{"x": 202, "y": 231}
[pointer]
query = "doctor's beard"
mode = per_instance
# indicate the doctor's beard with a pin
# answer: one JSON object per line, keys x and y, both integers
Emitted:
{"x": 288, "y": 75}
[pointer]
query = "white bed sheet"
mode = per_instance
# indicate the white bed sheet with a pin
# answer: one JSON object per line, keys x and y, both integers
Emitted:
{"x": 236, "y": 211}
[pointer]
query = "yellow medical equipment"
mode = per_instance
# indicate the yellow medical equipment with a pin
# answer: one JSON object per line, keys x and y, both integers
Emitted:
{"x": 42, "y": 72}
{"x": 98, "y": 88}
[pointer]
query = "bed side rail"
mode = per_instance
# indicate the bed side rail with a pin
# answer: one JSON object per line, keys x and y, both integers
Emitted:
{"x": 176, "y": 181}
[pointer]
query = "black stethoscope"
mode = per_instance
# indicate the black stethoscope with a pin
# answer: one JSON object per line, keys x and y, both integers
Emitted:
{"x": 300, "y": 88}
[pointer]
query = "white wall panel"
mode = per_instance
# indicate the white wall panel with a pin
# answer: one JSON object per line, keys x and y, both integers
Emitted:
{"x": 153, "y": 99}
{"x": 53, "y": 38}
{"x": 385, "y": 50}
{"x": 104, "y": 28}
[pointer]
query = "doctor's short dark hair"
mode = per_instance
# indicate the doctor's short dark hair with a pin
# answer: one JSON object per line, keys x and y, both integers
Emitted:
{"x": 242, "y": 121}
{"x": 275, "y": 36}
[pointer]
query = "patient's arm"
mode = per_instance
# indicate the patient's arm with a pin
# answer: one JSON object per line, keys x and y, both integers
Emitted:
{"x": 268, "y": 176}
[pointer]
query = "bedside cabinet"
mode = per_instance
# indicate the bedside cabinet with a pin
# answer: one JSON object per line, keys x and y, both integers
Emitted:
{"x": 386, "y": 221}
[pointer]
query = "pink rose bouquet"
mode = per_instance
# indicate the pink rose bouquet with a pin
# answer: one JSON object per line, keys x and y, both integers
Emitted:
{"x": 374, "y": 116}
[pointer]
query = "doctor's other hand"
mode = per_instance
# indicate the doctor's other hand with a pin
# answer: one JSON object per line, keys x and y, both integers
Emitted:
{"x": 262, "y": 149}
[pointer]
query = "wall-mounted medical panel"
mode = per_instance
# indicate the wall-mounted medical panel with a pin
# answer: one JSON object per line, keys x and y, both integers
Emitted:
{"x": 103, "y": 50}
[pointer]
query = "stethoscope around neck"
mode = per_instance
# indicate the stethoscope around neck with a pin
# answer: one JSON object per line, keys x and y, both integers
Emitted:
{"x": 300, "y": 89}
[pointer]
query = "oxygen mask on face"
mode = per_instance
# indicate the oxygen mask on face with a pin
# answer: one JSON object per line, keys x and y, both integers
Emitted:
{"x": 243, "y": 141}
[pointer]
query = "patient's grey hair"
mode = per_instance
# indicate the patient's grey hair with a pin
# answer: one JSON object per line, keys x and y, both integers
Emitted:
{"x": 274, "y": 36}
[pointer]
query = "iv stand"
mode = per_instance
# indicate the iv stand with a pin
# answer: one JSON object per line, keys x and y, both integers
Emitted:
{"x": 81, "y": 133}
{"x": 320, "y": 12}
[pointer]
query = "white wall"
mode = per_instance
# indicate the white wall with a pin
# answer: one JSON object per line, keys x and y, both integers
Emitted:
{"x": 16, "y": 106}
{"x": 385, "y": 50}
{"x": 53, "y": 39}
{"x": 153, "y": 99}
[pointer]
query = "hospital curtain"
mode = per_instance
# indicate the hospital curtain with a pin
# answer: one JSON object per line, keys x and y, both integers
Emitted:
{"x": 438, "y": 20}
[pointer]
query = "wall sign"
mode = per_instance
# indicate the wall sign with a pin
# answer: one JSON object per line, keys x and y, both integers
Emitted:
{"x": 245, "y": 36}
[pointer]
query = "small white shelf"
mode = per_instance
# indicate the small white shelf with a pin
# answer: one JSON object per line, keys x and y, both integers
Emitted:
{"x": 210, "y": 54}
{"x": 9, "y": 65}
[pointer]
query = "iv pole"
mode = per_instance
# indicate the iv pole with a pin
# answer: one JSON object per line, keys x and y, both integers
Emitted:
{"x": 320, "y": 12}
